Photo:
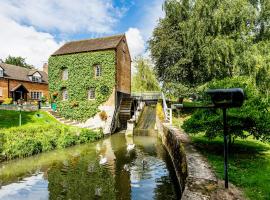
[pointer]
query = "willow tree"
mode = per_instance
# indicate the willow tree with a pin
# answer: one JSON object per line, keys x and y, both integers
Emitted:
{"x": 144, "y": 78}
{"x": 198, "y": 41}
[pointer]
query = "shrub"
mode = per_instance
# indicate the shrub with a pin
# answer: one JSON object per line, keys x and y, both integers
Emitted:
{"x": 159, "y": 112}
{"x": 29, "y": 140}
{"x": 252, "y": 118}
{"x": 8, "y": 101}
{"x": 103, "y": 115}
{"x": 43, "y": 99}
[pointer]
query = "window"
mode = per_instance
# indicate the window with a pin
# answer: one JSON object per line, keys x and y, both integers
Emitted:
{"x": 1, "y": 72}
{"x": 65, "y": 94}
{"x": 65, "y": 74}
{"x": 36, "y": 79}
{"x": 1, "y": 92}
{"x": 36, "y": 95}
{"x": 91, "y": 94}
{"x": 97, "y": 70}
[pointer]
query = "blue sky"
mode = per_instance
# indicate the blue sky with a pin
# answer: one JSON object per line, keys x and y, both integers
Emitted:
{"x": 35, "y": 29}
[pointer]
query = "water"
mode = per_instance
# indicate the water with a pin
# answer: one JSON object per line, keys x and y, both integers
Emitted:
{"x": 75, "y": 173}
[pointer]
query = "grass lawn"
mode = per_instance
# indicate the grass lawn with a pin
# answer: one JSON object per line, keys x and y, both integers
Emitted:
{"x": 40, "y": 132}
{"x": 249, "y": 163}
{"x": 10, "y": 119}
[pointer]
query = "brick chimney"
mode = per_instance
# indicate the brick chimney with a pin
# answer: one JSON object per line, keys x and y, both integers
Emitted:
{"x": 45, "y": 68}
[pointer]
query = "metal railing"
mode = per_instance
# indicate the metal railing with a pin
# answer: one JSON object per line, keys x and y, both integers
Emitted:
{"x": 167, "y": 111}
{"x": 144, "y": 96}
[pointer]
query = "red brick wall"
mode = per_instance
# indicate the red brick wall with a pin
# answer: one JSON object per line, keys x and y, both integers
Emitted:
{"x": 37, "y": 87}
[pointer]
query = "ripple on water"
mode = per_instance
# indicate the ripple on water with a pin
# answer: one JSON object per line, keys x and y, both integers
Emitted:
{"x": 76, "y": 173}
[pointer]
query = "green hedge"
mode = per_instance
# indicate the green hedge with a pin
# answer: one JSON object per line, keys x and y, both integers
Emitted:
{"x": 81, "y": 77}
{"x": 29, "y": 140}
{"x": 253, "y": 118}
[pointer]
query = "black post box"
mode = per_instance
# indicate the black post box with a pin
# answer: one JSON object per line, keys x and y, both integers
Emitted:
{"x": 227, "y": 98}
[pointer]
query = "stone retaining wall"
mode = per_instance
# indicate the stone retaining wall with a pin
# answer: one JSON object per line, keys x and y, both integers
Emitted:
{"x": 196, "y": 179}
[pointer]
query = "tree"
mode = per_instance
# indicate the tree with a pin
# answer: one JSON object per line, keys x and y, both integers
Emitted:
{"x": 202, "y": 40}
{"x": 18, "y": 61}
{"x": 144, "y": 78}
{"x": 253, "y": 118}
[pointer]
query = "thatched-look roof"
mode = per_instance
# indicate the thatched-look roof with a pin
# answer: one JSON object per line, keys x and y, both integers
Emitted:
{"x": 21, "y": 73}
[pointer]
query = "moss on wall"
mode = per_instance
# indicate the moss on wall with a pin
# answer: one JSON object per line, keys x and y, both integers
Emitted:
{"x": 81, "y": 77}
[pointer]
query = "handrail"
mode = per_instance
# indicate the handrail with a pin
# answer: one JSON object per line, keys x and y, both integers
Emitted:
{"x": 155, "y": 95}
{"x": 168, "y": 115}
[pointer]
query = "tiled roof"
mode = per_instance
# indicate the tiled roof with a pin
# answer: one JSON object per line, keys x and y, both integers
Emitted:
{"x": 21, "y": 73}
{"x": 89, "y": 45}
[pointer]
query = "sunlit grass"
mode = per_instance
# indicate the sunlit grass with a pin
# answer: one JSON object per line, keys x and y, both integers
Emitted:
{"x": 249, "y": 164}
{"x": 10, "y": 119}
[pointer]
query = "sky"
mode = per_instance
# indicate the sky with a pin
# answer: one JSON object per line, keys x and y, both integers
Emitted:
{"x": 34, "y": 29}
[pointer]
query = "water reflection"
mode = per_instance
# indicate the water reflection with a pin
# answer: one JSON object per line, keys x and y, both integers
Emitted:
{"x": 143, "y": 172}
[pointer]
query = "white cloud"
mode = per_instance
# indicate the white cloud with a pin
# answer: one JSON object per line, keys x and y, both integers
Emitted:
{"x": 19, "y": 40}
{"x": 135, "y": 42}
{"x": 64, "y": 16}
{"x": 153, "y": 12}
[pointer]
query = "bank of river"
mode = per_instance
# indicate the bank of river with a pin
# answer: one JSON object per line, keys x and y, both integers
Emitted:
{"x": 145, "y": 172}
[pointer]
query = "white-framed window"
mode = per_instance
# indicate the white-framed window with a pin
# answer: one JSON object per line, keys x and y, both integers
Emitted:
{"x": 98, "y": 71}
{"x": 65, "y": 74}
{"x": 91, "y": 93}
{"x": 64, "y": 94}
{"x": 1, "y": 72}
{"x": 36, "y": 95}
{"x": 36, "y": 79}
{"x": 1, "y": 92}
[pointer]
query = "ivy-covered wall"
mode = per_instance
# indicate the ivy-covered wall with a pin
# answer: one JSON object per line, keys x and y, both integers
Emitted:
{"x": 81, "y": 77}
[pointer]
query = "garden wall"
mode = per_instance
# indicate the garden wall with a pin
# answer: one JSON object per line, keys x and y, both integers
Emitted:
{"x": 195, "y": 177}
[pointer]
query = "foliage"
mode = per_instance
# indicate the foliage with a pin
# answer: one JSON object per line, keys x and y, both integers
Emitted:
{"x": 174, "y": 91}
{"x": 249, "y": 162}
{"x": 32, "y": 139}
{"x": 255, "y": 62}
{"x": 43, "y": 99}
{"x": 144, "y": 78}
{"x": 8, "y": 101}
{"x": 39, "y": 132}
{"x": 198, "y": 41}
{"x": 18, "y": 61}
{"x": 81, "y": 77}
{"x": 159, "y": 112}
{"x": 103, "y": 115}
{"x": 252, "y": 118}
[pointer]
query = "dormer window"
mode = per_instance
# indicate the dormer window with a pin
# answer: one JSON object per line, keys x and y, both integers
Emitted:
{"x": 97, "y": 71}
{"x": 36, "y": 77}
{"x": 65, "y": 74}
{"x": 1, "y": 72}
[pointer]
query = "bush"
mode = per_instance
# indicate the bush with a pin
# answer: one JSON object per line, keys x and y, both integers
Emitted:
{"x": 8, "y": 101}
{"x": 103, "y": 115}
{"x": 159, "y": 112}
{"x": 252, "y": 118}
{"x": 29, "y": 140}
{"x": 43, "y": 99}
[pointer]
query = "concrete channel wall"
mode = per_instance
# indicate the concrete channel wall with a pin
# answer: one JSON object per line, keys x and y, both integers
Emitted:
{"x": 195, "y": 177}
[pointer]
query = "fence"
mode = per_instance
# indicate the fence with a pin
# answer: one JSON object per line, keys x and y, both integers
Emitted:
{"x": 27, "y": 107}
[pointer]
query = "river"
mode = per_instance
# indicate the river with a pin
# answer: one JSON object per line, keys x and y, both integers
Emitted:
{"x": 144, "y": 172}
